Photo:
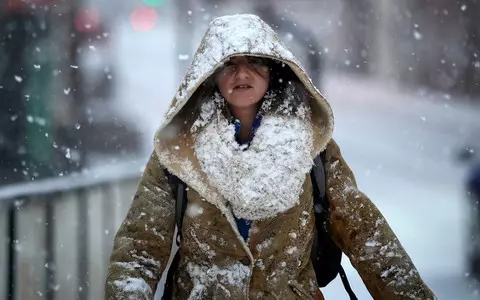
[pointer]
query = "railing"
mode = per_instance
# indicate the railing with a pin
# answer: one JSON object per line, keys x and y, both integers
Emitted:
{"x": 57, "y": 233}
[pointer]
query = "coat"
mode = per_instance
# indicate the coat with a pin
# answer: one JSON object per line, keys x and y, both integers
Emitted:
{"x": 268, "y": 183}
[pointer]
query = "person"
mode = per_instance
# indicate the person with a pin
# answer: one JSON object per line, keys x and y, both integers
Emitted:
{"x": 242, "y": 133}
{"x": 473, "y": 189}
{"x": 468, "y": 155}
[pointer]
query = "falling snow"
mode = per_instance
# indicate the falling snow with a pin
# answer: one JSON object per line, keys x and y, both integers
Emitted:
{"x": 417, "y": 35}
{"x": 368, "y": 112}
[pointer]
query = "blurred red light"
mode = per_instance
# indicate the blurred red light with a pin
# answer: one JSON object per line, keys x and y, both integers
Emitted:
{"x": 87, "y": 20}
{"x": 144, "y": 18}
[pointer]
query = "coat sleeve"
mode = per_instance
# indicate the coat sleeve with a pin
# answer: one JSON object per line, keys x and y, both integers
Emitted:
{"x": 142, "y": 244}
{"x": 364, "y": 235}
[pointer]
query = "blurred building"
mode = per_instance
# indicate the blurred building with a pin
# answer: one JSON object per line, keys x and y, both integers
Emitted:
{"x": 431, "y": 44}
{"x": 56, "y": 87}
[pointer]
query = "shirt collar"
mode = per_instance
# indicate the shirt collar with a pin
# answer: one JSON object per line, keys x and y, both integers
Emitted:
{"x": 255, "y": 125}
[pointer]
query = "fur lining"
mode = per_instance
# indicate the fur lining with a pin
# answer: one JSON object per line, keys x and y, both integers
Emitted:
{"x": 267, "y": 178}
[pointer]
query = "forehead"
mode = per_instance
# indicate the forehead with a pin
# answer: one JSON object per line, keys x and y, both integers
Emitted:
{"x": 238, "y": 58}
{"x": 245, "y": 58}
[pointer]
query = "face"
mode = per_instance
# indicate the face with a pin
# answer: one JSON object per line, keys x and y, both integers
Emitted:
{"x": 243, "y": 81}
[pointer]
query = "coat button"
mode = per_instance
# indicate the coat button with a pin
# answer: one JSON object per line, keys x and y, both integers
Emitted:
{"x": 245, "y": 261}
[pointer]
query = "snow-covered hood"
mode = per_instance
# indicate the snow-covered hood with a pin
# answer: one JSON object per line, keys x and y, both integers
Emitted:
{"x": 226, "y": 37}
{"x": 246, "y": 34}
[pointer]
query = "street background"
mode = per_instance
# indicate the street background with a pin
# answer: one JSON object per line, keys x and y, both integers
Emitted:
{"x": 84, "y": 85}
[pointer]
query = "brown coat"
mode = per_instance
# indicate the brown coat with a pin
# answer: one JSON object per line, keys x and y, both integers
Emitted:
{"x": 216, "y": 263}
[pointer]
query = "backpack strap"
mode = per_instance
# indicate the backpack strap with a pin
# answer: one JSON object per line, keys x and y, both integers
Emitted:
{"x": 325, "y": 255}
{"x": 179, "y": 189}
{"x": 180, "y": 208}
{"x": 325, "y": 248}
{"x": 320, "y": 203}
{"x": 346, "y": 284}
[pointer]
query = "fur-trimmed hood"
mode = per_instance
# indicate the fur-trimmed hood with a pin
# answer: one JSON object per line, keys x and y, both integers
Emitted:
{"x": 226, "y": 37}
{"x": 244, "y": 34}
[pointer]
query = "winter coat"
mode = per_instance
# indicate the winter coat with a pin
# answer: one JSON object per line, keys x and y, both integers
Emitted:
{"x": 268, "y": 183}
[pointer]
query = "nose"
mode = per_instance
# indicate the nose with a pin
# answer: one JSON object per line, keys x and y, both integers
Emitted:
{"x": 242, "y": 71}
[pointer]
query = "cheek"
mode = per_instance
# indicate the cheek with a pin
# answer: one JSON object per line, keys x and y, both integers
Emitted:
{"x": 223, "y": 85}
{"x": 264, "y": 85}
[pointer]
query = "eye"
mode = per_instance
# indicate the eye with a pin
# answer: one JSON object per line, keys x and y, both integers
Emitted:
{"x": 228, "y": 67}
{"x": 228, "y": 63}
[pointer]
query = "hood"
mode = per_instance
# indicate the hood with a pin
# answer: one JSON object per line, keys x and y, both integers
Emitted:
{"x": 226, "y": 37}
{"x": 245, "y": 34}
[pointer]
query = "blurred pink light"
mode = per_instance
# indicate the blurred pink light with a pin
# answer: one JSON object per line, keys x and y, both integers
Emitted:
{"x": 144, "y": 18}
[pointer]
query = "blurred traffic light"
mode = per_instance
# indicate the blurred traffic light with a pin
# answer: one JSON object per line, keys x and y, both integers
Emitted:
{"x": 144, "y": 18}
{"x": 154, "y": 3}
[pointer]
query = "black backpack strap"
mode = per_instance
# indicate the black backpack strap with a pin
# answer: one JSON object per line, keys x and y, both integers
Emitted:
{"x": 327, "y": 256}
{"x": 320, "y": 203}
{"x": 346, "y": 284}
{"x": 180, "y": 207}
{"x": 179, "y": 191}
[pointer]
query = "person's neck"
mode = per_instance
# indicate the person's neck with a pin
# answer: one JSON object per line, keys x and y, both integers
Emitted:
{"x": 246, "y": 115}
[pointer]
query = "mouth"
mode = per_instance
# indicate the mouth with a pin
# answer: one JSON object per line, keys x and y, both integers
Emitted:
{"x": 242, "y": 87}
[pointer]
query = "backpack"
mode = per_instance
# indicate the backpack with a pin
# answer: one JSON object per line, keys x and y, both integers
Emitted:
{"x": 326, "y": 256}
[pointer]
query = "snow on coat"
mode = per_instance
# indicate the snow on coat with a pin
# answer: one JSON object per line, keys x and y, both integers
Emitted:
{"x": 268, "y": 183}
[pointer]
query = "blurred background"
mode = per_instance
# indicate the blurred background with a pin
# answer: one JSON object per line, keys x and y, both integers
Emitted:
{"x": 85, "y": 83}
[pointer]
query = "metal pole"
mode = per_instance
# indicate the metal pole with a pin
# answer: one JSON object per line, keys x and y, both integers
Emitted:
{"x": 82, "y": 236}
{"x": 50, "y": 268}
{"x": 12, "y": 257}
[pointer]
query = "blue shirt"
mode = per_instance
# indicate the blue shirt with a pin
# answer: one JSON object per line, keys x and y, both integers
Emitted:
{"x": 243, "y": 224}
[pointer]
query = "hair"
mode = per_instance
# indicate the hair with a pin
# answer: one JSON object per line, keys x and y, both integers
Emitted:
{"x": 284, "y": 84}
{"x": 281, "y": 75}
